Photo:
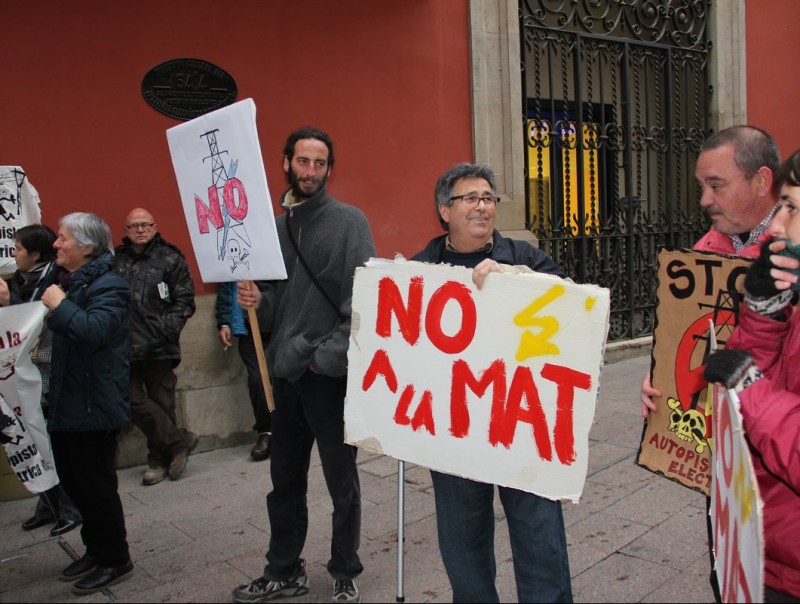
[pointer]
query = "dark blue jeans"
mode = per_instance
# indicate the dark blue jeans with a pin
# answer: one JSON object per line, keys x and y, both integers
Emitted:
{"x": 312, "y": 408}
{"x": 465, "y": 520}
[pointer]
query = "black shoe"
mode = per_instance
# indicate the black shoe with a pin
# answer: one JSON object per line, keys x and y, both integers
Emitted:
{"x": 34, "y": 523}
{"x": 64, "y": 526}
{"x": 261, "y": 449}
{"x": 79, "y": 568}
{"x": 102, "y": 577}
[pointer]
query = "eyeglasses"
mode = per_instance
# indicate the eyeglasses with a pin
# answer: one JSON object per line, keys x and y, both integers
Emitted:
{"x": 471, "y": 201}
{"x": 140, "y": 225}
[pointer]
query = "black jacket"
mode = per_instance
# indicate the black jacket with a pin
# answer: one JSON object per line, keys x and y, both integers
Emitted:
{"x": 158, "y": 313}
{"x": 504, "y": 251}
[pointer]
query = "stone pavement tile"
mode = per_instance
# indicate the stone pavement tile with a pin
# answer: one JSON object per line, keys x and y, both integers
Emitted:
{"x": 624, "y": 429}
{"x": 625, "y": 474}
{"x": 596, "y": 497}
{"x": 149, "y": 538}
{"x": 675, "y": 542}
{"x": 620, "y": 578}
{"x": 38, "y": 562}
{"x": 690, "y": 585}
{"x": 424, "y": 578}
{"x": 226, "y": 488}
{"x": 656, "y": 502}
{"x": 603, "y": 455}
{"x": 380, "y": 491}
{"x": 213, "y": 583}
{"x": 597, "y": 537}
{"x": 382, "y": 466}
{"x": 505, "y": 582}
{"x": 377, "y": 520}
{"x": 174, "y": 562}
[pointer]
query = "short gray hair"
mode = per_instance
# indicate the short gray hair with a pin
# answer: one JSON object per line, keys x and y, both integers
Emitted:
{"x": 446, "y": 183}
{"x": 753, "y": 148}
{"x": 89, "y": 229}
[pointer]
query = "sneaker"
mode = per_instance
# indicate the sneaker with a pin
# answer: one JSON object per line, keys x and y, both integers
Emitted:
{"x": 346, "y": 590}
{"x": 154, "y": 475}
{"x": 262, "y": 589}
{"x": 178, "y": 464}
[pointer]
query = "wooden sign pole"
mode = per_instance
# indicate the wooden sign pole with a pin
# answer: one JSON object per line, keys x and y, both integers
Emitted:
{"x": 262, "y": 362}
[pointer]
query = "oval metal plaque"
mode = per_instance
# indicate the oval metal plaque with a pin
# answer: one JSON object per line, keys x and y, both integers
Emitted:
{"x": 187, "y": 88}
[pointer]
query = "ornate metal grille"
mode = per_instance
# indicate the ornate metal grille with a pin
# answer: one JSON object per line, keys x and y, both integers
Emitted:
{"x": 615, "y": 112}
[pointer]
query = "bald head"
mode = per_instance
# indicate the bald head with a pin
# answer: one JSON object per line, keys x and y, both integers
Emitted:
{"x": 140, "y": 227}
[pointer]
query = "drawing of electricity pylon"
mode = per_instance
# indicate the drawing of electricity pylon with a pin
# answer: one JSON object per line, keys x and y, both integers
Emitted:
{"x": 232, "y": 237}
{"x": 13, "y": 195}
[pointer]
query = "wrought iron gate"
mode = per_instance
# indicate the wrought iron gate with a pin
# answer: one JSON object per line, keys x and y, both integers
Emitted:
{"x": 615, "y": 100}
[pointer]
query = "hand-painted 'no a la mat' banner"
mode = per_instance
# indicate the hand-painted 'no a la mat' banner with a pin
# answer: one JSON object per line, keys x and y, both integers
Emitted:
{"x": 223, "y": 187}
{"x": 497, "y": 385}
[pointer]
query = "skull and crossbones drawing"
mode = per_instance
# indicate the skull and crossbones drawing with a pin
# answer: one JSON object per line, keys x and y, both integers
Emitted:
{"x": 688, "y": 425}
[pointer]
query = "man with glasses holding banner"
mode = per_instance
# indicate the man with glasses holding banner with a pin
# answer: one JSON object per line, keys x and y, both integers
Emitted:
{"x": 163, "y": 300}
{"x": 465, "y": 202}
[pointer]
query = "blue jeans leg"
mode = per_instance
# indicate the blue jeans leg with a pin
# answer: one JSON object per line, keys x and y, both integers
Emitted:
{"x": 538, "y": 545}
{"x": 465, "y": 523}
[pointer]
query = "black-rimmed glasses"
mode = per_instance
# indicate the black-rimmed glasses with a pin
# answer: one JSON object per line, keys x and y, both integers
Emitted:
{"x": 471, "y": 201}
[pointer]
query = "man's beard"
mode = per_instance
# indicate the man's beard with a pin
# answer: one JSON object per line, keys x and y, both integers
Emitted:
{"x": 298, "y": 192}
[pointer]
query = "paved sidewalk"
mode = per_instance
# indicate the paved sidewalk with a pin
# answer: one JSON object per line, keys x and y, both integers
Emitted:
{"x": 634, "y": 536}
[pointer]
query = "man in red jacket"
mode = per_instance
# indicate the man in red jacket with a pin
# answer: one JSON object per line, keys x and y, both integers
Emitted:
{"x": 735, "y": 172}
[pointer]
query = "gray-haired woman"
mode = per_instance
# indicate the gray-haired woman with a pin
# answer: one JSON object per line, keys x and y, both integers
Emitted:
{"x": 89, "y": 393}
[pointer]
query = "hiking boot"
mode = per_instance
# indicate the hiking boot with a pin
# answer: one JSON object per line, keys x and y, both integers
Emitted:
{"x": 178, "y": 464}
{"x": 346, "y": 590}
{"x": 262, "y": 589}
{"x": 154, "y": 475}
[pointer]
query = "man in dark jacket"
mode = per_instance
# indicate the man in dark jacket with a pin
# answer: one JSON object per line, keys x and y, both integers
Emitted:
{"x": 308, "y": 316}
{"x": 163, "y": 300}
{"x": 465, "y": 203}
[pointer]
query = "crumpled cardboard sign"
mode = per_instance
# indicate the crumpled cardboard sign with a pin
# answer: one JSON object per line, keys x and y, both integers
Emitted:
{"x": 693, "y": 289}
{"x": 498, "y": 385}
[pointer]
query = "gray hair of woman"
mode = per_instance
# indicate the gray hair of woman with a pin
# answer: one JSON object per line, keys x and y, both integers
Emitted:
{"x": 89, "y": 229}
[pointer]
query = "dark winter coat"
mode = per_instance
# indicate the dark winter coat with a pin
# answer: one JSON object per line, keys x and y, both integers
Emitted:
{"x": 770, "y": 410}
{"x": 158, "y": 314}
{"x": 89, "y": 380}
{"x": 504, "y": 251}
{"x": 335, "y": 239}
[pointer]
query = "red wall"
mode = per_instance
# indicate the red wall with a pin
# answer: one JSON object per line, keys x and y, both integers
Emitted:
{"x": 773, "y": 49}
{"x": 390, "y": 81}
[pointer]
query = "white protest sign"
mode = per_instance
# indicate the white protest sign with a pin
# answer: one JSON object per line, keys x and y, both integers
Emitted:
{"x": 736, "y": 507}
{"x": 23, "y": 433}
{"x": 498, "y": 385}
{"x": 19, "y": 207}
{"x": 223, "y": 187}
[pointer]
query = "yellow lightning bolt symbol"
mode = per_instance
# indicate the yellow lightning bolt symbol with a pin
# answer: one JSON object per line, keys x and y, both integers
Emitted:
{"x": 538, "y": 344}
{"x": 746, "y": 498}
